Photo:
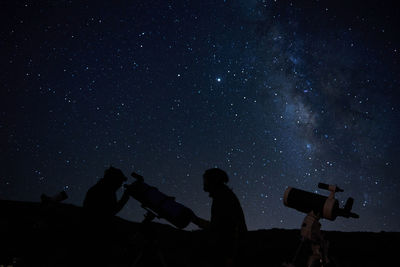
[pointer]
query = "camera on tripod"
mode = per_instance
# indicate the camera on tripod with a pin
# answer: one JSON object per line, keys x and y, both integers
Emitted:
{"x": 158, "y": 204}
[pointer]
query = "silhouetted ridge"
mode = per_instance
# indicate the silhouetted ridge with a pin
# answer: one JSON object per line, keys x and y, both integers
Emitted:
{"x": 35, "y": 234}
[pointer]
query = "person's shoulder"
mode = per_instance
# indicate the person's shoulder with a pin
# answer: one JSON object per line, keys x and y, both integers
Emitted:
{"x": 228, "y": 190}
{"x": 227, "y": 193}
{"x": 96, "y": 189}
{"x": 231, "y": 196}
{"x": 93, "y": 188}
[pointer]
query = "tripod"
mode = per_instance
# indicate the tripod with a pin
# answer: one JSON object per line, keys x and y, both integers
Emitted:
{"x": 151, "y": 244}
{"x": 311, "y": 234}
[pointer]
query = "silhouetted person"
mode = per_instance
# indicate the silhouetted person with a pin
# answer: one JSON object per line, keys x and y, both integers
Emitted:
{"x": 100, "y": 206}
{"x": 227, "y": 225}
{"x": 101, "y": 199}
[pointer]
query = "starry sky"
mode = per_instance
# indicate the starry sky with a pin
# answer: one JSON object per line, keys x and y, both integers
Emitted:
{"x": 277, "y": 93}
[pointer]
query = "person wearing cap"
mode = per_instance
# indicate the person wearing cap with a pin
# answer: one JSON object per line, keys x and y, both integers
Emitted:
{"x": 101, "y": 199}
{"x": 227, "y": 225}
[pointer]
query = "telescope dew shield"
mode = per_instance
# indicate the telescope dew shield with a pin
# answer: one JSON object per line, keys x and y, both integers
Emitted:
{"x": 304, "y": 201}
{"x": 164, "y": 206}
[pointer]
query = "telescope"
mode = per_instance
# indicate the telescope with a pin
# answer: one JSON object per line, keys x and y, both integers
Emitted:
{"x": 325, "y": 207}
{"x": 316, "y": 206}
{"x": 158, "y": 204}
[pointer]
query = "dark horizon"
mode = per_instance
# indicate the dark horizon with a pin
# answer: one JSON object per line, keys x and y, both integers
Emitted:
{"x": 276, "y": 94}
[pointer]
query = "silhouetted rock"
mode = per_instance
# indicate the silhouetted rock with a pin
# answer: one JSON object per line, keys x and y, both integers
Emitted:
{"x": 35, "y": 234}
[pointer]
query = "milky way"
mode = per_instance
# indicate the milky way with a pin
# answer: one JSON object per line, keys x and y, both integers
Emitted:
{"x": 277, "y": 93}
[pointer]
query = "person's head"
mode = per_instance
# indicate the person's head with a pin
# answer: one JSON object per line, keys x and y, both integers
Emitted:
{"x": 213, "y": 179}
{"x": 114, "y": 178}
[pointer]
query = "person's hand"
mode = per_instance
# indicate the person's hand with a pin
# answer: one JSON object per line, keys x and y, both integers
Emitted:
{"x": 126, "y": 194}
{"x": 200, "y": 222}
{"x": 128, "y": 189}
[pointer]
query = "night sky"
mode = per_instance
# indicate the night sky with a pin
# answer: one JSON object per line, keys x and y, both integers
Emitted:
{"x": 276, "y": 93}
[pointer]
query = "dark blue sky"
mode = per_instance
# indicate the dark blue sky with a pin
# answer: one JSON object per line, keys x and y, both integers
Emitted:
{"x": 277, "y": 93}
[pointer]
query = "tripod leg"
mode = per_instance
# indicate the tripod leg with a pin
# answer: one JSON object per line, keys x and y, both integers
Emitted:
{"x": 138, "y": 259}
{"x": 315, "y": 260}
{"x": 161, "y": 258}
{"x": 298, "y": 250}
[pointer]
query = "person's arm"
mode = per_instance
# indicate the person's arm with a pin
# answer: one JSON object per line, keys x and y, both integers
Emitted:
{"x": 121, "y": 203}
{"x": 204, "y": 224}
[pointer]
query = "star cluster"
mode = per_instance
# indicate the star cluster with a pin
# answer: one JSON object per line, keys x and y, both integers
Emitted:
{"x": 277, "y": 93}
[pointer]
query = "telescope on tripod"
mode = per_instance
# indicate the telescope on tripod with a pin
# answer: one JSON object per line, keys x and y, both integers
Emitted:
{"x": 316, "y": 207}
{"x": 158, "y": 204}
